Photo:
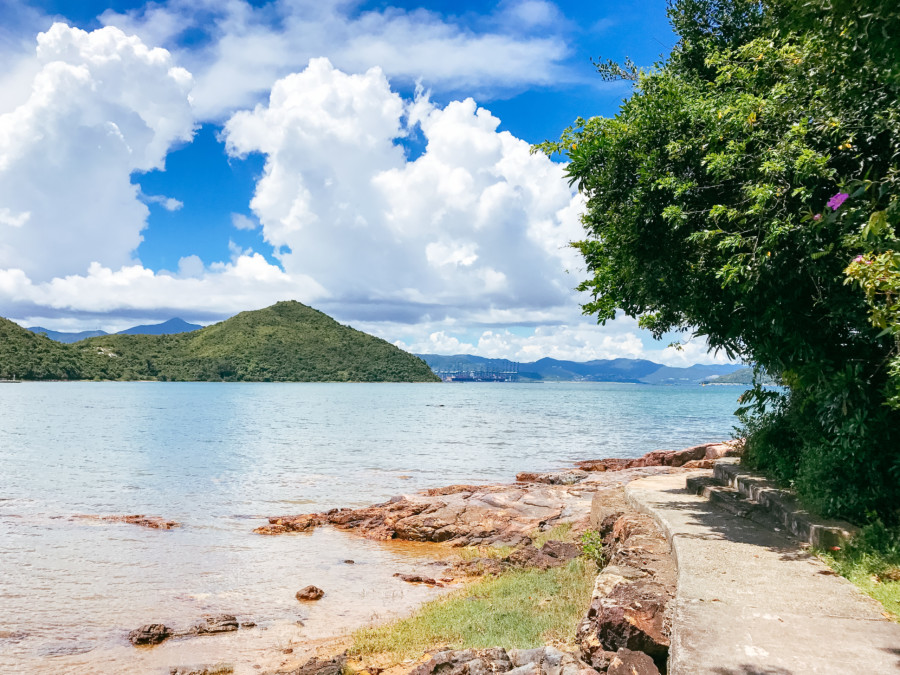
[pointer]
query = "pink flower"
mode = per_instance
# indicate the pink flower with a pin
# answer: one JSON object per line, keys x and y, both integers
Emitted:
{"x": 818, "y": 216}
{"x": 835, "y": 202}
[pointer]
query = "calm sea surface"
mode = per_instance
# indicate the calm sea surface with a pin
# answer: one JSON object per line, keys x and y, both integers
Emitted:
{"x": 219, "y": 458}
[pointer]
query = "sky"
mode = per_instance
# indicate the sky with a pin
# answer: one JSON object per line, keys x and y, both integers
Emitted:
{"x": 198, "y": 158}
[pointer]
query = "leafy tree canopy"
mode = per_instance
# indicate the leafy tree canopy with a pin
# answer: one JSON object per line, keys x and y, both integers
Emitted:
{"x": 749, "y": 192}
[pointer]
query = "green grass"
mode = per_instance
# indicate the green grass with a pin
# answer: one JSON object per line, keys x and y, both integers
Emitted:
{"x": 872, "y": 563}
{"x": 519, "y": 609}
{"x": 561, "y": 532}
{"x": 475, "y": 552}
{"x": 871, "y": 573}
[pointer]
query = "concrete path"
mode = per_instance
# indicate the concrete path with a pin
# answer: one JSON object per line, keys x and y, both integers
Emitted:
{"x": 750, "y": 601}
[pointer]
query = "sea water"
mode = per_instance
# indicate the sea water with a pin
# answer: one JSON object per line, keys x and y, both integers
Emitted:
{"x": 219, "y": 458}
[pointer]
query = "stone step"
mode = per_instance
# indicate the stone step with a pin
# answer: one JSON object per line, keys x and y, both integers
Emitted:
{"x": 731, "y": 500}
{"x": 780, "y": 506}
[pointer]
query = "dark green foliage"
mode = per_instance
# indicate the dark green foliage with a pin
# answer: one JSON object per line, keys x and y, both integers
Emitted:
{"x": 27, "y": 356}
{"x": 707, "y": 211}
{"x": 288, "y": 342}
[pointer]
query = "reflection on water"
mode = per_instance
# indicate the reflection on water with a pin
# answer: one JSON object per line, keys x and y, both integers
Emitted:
{"x": 218, "y": 458}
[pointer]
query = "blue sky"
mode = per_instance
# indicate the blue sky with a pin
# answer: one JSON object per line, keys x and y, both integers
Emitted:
{"x": 198, "y": 158}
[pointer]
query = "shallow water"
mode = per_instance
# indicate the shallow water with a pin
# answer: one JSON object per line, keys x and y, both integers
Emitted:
{"x": 218, "y": 458}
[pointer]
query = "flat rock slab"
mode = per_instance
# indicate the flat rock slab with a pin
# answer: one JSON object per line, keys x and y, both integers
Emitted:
{"x": 466, "y": 515}
{"x": 750, "y": 600}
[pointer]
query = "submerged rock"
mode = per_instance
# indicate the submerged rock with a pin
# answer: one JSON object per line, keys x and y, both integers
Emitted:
{"x": 417, "y": 579}
{"x": 152, "y": 522}
{"x": 216, "y": 623}
{"x": 283, "y": 524}
{"x": 310, "y": 593}
{"x": 150, "y": 634}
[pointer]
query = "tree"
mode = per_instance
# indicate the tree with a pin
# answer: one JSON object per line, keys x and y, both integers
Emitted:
{"x": 731, "y": 195}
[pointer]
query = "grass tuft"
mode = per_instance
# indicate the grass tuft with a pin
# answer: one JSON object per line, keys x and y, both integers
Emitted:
{"x": 561, "y": 532}
{"x": 519, "y": 609}
{"x": 872, "y": 563}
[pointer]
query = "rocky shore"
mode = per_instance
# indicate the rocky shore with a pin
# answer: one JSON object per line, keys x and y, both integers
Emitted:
{"x": 499, "y": 515}
{"x": 626, "y": 627}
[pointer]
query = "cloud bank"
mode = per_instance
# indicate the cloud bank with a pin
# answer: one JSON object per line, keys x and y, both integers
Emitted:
{"x": 102, "y": 106}
{"x": 401, "y": 215}
{"x": 247, "y": 48}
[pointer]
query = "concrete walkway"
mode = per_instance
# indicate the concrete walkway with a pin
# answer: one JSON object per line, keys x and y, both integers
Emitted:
{"x": 751, "y": 601}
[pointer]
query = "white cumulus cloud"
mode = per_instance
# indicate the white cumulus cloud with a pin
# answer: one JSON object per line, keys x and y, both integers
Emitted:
{"x": 102, "y": 106}
{"x": 474, "y": 223}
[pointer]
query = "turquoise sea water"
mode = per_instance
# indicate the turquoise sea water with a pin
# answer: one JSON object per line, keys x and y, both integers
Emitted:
{"x": 218, "y": 458}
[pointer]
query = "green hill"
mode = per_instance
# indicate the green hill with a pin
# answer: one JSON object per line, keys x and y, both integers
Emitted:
{"x": 27, "y": 356}
{"x": 287, "y": 342}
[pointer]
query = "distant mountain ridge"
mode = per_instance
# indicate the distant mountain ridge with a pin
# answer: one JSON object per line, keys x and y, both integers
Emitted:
{"x": 66, "y": 338}
{"x": 170, "y": 327}
{"x": 287, "y": 342}
{"x": 639, "y": 371}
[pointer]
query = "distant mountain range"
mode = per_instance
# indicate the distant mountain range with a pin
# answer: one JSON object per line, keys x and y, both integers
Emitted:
{"x": 554, "y": 370}
{"x": 458, "y": 366}
{"x": 170, "y": 327}
{"x": 287, "y": 342}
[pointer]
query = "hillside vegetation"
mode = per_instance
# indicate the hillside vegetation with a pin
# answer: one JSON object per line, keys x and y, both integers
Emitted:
{"x": 287, "y": 342}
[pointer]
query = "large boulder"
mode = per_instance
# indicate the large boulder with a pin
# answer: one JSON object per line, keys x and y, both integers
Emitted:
{"x": 627, "y": 662}
{"x": 150, "y": 634}
{"x": 631, "y": 595}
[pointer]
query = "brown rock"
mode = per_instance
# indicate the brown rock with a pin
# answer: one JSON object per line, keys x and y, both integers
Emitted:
{"x": 466, "y": 662}
{"x": 217, "y": 669}
{"x": 317, "y": 666}
{"x": 547, "y": 661}
{"x": 552, "y": 478}
{"x": 153, "y": 522}
{"x": 676, "y": 458}
{"x": 610, "y": 464}
{"x": 563, "y": 551}
{"x": 310, "y": 593}
{"x": 476, "y": 567}
{"x": 150, "y": 634}
{"x": 215, "y": 623}
{"x": 700, "y": 464}
{"x": 628, "y": 605}
{"x": 417, "y": 579}
{"x": 529, "y": 556}
{"x": 282, "y": 524}
{"x": 627, "y": 662}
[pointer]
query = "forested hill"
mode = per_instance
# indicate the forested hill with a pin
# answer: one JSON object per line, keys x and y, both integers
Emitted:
{"x": 287, "y": 342}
